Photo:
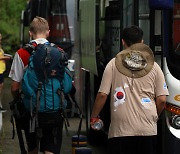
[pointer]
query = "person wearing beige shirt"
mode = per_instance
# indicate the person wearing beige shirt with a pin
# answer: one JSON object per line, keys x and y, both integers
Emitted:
{"x": 138, "y": 90}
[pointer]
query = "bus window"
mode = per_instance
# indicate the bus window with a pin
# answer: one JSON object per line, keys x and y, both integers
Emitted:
{"x": 173, "y": 55}
{"x": 127, "y": 13}
{"x": 58, "y": 23}
{"x": 176, "y": 27}
{"x": 112, "y": 29}
{"x": 144, "y": 21}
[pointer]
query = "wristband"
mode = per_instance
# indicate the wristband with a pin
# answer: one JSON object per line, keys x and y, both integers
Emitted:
{"x": 94, "y": 119}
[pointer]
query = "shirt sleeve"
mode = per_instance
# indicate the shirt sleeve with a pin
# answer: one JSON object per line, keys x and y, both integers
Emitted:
{"x": 161, "y": 86}
{"x": 17, "y": 69}
{"x": 106, "y": 81}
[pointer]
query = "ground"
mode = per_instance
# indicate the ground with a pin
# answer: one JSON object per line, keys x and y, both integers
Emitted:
{"x": 11, "y": 146}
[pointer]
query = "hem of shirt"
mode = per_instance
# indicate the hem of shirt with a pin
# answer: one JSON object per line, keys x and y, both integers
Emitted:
{"x": 125, "y": 135}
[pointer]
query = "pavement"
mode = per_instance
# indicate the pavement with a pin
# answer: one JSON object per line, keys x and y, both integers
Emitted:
{"x": 11, "y": 146}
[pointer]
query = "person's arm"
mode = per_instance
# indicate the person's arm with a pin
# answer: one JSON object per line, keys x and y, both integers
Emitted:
{"x": 15, "y": 86}
{"x": 104, "y": 90}
{"x": 102, "y": 95}
{"x": 16, "y": 74}
{"x": 99, "y": 104}
{"x": 5, "y": 58}
{"x": 161, "y": 90}
{"x": 160, "y": 104}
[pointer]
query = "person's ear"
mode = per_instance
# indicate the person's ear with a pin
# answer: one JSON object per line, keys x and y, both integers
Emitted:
{"x": 124, "y": 43}
{"x": 47, "y": 33}
{"x": 30, "y": 33}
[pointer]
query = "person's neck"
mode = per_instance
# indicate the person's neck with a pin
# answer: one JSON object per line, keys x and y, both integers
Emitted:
{"x": 38, "y": 36}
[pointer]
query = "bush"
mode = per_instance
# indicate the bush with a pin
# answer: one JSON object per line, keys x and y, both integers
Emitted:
{"x": 10, "y": 24}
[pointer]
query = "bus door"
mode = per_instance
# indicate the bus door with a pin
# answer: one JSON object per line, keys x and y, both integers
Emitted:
{"x": 172, "y": 74}
{"x": 176, "y": 27}
{"x": 118, "y": 15}
{"x": 170, "y": 24}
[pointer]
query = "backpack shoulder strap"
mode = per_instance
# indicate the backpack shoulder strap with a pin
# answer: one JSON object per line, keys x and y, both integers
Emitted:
{"x": 30, "y": 47}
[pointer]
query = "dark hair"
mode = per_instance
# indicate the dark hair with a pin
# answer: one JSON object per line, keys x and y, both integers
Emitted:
{"x": 132, "y": 35}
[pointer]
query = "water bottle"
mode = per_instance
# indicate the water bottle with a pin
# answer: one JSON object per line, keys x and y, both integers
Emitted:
{"x": 98, "y": 124}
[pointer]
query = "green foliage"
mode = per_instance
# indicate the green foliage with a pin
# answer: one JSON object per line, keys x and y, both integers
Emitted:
{"x": 10, "y": 13}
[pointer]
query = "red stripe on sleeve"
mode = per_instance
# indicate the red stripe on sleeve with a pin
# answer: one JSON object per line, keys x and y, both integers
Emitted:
{"x": 24, "y": 55}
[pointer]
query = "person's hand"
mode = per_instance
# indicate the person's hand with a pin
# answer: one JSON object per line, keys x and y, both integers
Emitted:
{"x": 8, "y": 57}
{"x": 96, "y": 123}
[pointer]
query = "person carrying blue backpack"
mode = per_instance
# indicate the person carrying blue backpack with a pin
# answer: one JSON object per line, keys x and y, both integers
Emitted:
{"x": 39, "y": 70}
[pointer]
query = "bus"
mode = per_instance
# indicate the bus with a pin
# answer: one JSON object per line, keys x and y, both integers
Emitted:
{"x": 97, "y": 39}
{"x": 100, "y": 23}
{"x": 60, "y": 24}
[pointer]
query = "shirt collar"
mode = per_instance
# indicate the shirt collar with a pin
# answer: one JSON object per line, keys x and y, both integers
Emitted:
{"x": 40, "y": 40}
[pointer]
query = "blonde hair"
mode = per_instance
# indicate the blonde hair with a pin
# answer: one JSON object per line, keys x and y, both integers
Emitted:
{"x": 39, "y": 25}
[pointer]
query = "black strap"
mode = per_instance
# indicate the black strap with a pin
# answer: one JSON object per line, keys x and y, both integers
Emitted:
{"x": 45, "y": 103}
{"x": 13, "y": 131}
{"x": 16, "y": 123}
{"x": 40, "y": 84}
{"x": 30, "y": 47}
{"x": 47, "y": 62}
{"x": 19, "y": 134}
{"x": 81, "y": 116}
{"x": 20, "y": 137}
{"x": 60, "y": 92}
{"x": 39, "y": 135}
{"x": 34, "y": 123}
{"x": 52, "y": 83}
{"x": 48, "y": 56}
{"x": 65, "y": 123}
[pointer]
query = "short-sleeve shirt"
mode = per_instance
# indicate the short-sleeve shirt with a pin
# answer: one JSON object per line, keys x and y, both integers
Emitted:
{"x": 133, "y": 108}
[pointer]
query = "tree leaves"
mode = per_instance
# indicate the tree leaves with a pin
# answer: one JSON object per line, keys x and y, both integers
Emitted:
{"x": 10, "y": 13}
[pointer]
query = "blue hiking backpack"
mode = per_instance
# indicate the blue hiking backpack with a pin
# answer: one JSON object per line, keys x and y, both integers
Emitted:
{"x": 46, "y": 79}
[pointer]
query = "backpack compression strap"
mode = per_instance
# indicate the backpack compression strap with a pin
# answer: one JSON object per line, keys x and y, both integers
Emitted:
{"x": 60, "y": 92}
{"x": 47, "y": 62}
{"x": 30, "y": 47}
{"x": 64, "y": 59}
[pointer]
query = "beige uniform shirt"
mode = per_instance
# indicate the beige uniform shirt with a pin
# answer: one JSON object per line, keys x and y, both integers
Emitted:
{"x": 133, "y": 109}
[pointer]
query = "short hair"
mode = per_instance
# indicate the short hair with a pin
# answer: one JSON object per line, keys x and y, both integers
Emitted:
{"x": 132, "y": 35}
{"x": 39, "y": 25}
